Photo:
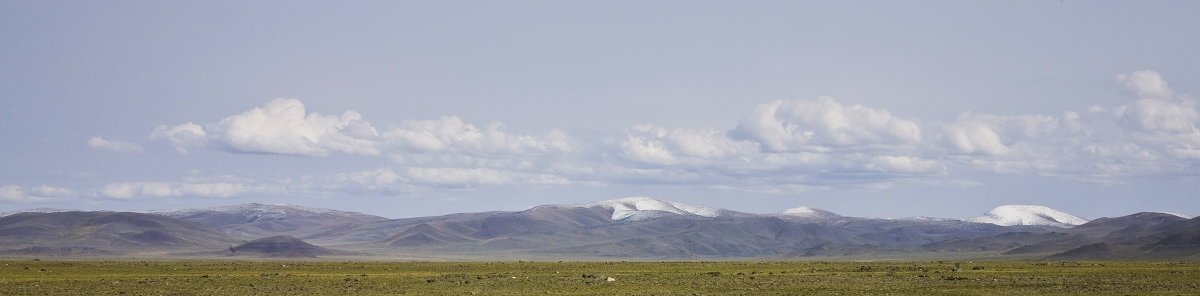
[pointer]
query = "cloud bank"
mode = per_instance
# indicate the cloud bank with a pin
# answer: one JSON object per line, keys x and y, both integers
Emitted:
{"x": 1155, "y": 135}
{"x": 32, "y": 194}
{"x": 782, "y": 146}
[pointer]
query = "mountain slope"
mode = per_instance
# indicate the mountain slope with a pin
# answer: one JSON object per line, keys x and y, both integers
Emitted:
{"x": 644, "y": 228}
{"x": 251, "y": 221}
{"x": 628, "y": 228}
{"x": 1138, "y": 236}
{"x": 1012, "y": 215}
{"x": 281, "y": 246}
{"x": 104, "y": 233}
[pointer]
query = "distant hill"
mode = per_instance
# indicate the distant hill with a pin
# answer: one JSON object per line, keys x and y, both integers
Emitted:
{"x": 281, "y": 246}
{"x": 103, "y": 233}
{"x": 1141, "y": 236}
{"x": 628, "y": 228}
{"x": 253, "y": 220}
{"x": 646, "y": 228}
{"x": 1154, "y": 236}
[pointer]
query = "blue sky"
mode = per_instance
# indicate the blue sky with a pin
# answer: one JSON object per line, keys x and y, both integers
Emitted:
{"x": 407, "y": 108}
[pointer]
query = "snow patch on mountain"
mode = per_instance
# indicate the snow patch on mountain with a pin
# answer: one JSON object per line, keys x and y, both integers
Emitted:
{"x": 807, "y": 212}
{"x": 1178, "y": 215}
{"x": 1012, "y": 215}
{"x": 640, "y": 208}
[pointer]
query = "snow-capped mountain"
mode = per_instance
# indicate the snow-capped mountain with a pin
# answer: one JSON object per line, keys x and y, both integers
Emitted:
{"x": 1012, "y": 215}
{"x": 640, "y": 208}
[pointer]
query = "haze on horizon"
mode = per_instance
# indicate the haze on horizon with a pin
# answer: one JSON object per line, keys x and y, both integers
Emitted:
{"x": 402, "y": 109}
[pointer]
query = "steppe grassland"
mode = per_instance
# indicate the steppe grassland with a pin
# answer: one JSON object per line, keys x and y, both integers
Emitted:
{"x": 40, "y": 277}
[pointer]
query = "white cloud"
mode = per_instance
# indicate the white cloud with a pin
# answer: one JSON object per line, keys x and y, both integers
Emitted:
{"x": 1154, "y": 135}
{"x": 1145, "y": 84}
{"x": 1156, "y": 107}
{"x": 14, "y": 193}
{"x": 113, "y": 145}
{"x": 805, "y": 125}
{"x": 284, "y": 126}
{"x": 794, "y": 145}
{"x": 646, "y": 146}
{"x": 450, "y": 133}
{"x": 1174, "y": 115}
{"x": 49, "y": 191}
{"x": 825, "y": 143}
{"x": 134, "y": 190}
{"x": 39, "y": 193}
{"x": 976, "y": 134}
{"x": 280, "y": 126}
{"x": 181, "y": 136}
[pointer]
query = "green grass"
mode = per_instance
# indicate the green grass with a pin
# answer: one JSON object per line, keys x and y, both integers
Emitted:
{"x": 30, "y": 277}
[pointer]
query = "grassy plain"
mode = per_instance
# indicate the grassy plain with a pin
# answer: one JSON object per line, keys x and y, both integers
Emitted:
{"x": 38, "y": 277}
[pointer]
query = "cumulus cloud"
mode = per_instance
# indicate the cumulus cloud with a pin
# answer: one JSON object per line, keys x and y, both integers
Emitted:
{"x": 39, "y": 193}
{"x": 793, "y": 146}
{"x": 14, "y": 193}
{"x": 807, "y": 125}
{"x": 1156, "y": 108}
{"x": 182, "y": 136}
{"x": 50, "y": 191}
{"x": 1155, "y": 134}
{"x": 285, "y": 126}
{"x": 134, "y": 190}
{"x": 280, "y": 126}
{"x": 1145, "y": 84}
{"x": 976, "y": 134}
{"x": 646, "y": 145}
{"x": 113, "y": 145}
{"x": 824, "y": 142}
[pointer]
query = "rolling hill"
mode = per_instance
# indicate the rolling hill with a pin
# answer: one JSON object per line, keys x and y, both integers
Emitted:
{"x": 253, "y": 221}
{"x": 103, "y": 233}
{"x": 627, "y": 228}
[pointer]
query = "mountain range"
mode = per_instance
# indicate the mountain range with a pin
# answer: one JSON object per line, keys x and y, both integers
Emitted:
{"x": 635, "y": 228}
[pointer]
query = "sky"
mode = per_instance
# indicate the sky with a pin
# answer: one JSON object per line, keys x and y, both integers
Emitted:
{"x": 418, "y": 108}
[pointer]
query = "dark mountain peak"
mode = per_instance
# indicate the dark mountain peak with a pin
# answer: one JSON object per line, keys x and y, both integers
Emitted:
{"x": 280, "y": 246}
{"x": 135, "y": 219}
{"x": 1099, "y": 250}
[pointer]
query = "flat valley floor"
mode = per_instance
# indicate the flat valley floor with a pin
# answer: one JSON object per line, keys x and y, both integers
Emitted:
{"x": 52, "y": 277}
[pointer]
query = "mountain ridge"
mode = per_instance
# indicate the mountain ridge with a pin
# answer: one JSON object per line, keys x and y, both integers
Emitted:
{"x": 629, "y": 228}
